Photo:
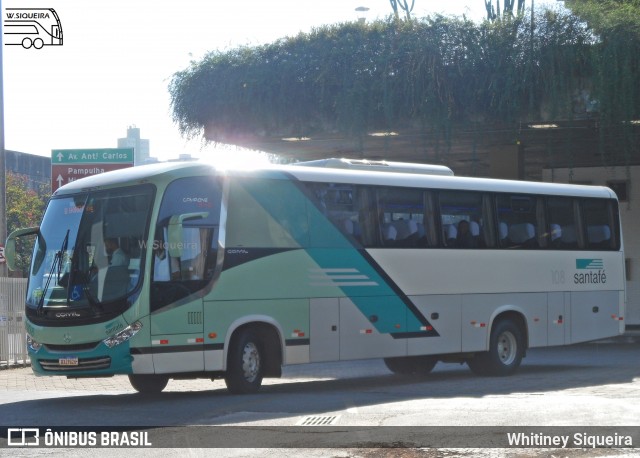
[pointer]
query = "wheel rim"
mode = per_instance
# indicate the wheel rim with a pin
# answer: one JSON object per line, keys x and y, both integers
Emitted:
{"x": 507, "y": 348}
{"x": 250, "y": 362}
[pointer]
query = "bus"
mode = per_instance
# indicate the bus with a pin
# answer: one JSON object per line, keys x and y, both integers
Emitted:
{"x": 35, "y": 27}
{"x": 188, "y": 270}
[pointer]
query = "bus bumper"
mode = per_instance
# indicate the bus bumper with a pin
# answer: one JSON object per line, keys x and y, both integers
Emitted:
{"x": 99, "y": 361}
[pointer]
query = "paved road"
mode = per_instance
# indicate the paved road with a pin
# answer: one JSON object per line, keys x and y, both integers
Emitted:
{"x": 595, "y": 385}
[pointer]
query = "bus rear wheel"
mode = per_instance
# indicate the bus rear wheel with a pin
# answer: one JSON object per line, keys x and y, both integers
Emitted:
{"x": 148, "y": 383}
{"x": 411, "y": 365}
{"x": 506, "y": 350}
{"x": 245, "y": 364}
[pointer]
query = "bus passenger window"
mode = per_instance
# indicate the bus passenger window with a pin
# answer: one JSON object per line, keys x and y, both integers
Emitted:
{"x": 598, "y": 222}
{"x": 518, "y": 220}
{"x": 339, "y": 204}
{"x": 562, "y": 234}
{"x": 462, "y": 219}
{"x": 401, "y": 217}
{"x": 266, "y": 214}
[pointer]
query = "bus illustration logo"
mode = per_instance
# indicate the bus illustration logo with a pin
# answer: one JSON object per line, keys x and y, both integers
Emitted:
{"x": 589, "y": 264}
{"x": 32, "y": 27}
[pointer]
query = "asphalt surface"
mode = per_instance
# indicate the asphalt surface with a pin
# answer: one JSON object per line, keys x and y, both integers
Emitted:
{"x": 591, "y": 385}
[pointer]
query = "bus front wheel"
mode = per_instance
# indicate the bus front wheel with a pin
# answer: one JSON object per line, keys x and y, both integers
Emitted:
{"x": 506, "y": 350}
{"x": 148, "y": 383}
{"x": 245, "y": 364}
{"x": 411, "y": 365}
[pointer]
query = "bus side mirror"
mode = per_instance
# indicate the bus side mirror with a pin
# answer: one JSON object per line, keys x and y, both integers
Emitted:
{"x": 10, "y": 246}
{"x": 174, "y": 231}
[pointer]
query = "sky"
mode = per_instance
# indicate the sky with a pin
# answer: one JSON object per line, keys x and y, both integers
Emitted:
{"x": 118, "y": 56}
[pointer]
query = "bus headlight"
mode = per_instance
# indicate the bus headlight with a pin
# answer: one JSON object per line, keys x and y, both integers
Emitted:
{"x": 123, "y": 335}
{"x": 32, "y": 344}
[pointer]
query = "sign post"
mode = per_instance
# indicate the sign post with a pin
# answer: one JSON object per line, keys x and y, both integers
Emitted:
{"x": 68, "y": 165}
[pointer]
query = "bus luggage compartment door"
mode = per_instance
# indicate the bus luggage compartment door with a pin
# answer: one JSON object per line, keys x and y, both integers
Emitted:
{"x": 324, "y": 327}
{"x": 367, "y": 325}
{"x": 594, "y": 315}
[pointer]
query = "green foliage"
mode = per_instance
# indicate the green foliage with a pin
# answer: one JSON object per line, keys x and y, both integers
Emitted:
{"x": 434, "y": 74}
{"x": 24, "y": 209}
{"x": 404, "y": 6}
{"x": 609, "y": 16}
{"x": 616, "y": 66}
{"x": 494, "y": 13}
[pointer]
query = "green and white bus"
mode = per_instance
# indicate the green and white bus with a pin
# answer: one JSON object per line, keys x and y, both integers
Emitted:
{"x": 186, "y": 270}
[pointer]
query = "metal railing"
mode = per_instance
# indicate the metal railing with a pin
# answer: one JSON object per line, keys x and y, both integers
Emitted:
{"x": 13, "y": 336}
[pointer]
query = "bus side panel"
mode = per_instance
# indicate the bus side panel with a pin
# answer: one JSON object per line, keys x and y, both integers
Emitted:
{"x": 594, "y": 315}
{"x": 177, "y": 340}
{"x": 359, "y": 335}
{"x": 290, "y": 317}
{"x": 557, "y": 318}
{"x": 444, "y": 313}
{"x": 480, "y": 310}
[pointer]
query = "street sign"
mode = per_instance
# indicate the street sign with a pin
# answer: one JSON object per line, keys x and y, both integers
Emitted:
{"x": 68, "y": 165}
{"x": 2, "y": 259}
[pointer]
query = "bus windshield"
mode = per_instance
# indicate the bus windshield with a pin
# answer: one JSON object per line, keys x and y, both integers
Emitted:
{"x": 87, "y": 258}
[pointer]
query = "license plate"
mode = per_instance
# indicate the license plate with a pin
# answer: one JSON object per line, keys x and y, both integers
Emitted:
{"x": 68, "y": 361}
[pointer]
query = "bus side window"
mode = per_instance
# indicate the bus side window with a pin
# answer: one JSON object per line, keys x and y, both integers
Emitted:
{"x": 265, "y": 213}
{"x": 518, "y": 219}
{"x": 339, "y": 204}
{"x": 597, "y": 217}
{"x": 562, "y": 234}
{"x": 401, "y": 216}
{"x": 462, "y": 216}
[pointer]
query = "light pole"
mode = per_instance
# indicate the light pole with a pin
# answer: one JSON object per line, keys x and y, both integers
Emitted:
{"x": 361, "y": 11}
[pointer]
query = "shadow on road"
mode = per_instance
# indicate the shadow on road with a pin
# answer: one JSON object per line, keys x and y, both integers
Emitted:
{"x": 357, "y": 383}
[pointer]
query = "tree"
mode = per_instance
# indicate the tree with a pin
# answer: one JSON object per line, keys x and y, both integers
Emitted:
{"x": 509, "y": 5}
{"x": 435, "y": 74}
{"x": 608, "y": 15}
{"x": 404, "y": 5}
{"x": 616, "y": 24}
{"x": 24, "y": 209}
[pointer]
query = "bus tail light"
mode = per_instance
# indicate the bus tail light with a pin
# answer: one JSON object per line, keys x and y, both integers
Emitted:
{"x": 123, "y": 335}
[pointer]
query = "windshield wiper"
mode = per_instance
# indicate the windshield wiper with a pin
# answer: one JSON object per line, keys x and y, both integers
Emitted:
{"x": 57, "y": 263}
{"x": 63, "y": 249}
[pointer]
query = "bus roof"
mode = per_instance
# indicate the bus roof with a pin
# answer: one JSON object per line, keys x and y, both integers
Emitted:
{"x": 162, "y": 172}
{"x": 378, "y": 166}
{"x": 134, "y": 175}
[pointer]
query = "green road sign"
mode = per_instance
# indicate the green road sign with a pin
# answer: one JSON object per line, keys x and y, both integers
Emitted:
{"x": 92, "y": 156}
{"x": 68, "y": 165}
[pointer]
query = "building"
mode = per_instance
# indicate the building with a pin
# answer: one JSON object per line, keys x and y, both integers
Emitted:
{"x": 36, "y": 168}
{"x": 140, "y": 145}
